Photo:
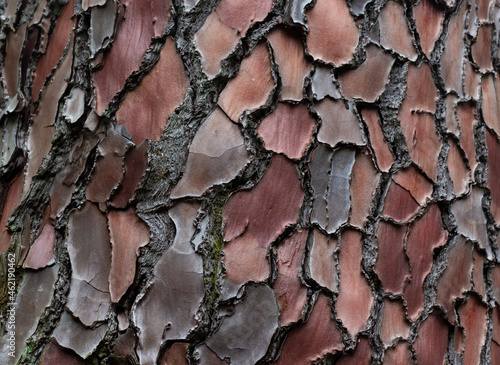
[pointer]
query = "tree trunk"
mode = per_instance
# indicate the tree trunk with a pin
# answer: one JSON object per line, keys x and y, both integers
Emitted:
{"x": 249, "y": 182}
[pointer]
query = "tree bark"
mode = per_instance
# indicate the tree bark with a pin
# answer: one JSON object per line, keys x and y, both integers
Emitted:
{"x": 215, "y": 182}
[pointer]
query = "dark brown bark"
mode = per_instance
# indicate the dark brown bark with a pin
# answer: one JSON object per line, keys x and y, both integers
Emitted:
{"x": 250, "y": 182}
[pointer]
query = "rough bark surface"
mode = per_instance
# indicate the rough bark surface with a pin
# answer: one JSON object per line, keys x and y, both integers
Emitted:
{"x": 250, "y": 182}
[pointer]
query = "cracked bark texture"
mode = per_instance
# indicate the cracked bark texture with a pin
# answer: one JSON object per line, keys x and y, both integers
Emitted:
{"x": 251, "y": 182}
